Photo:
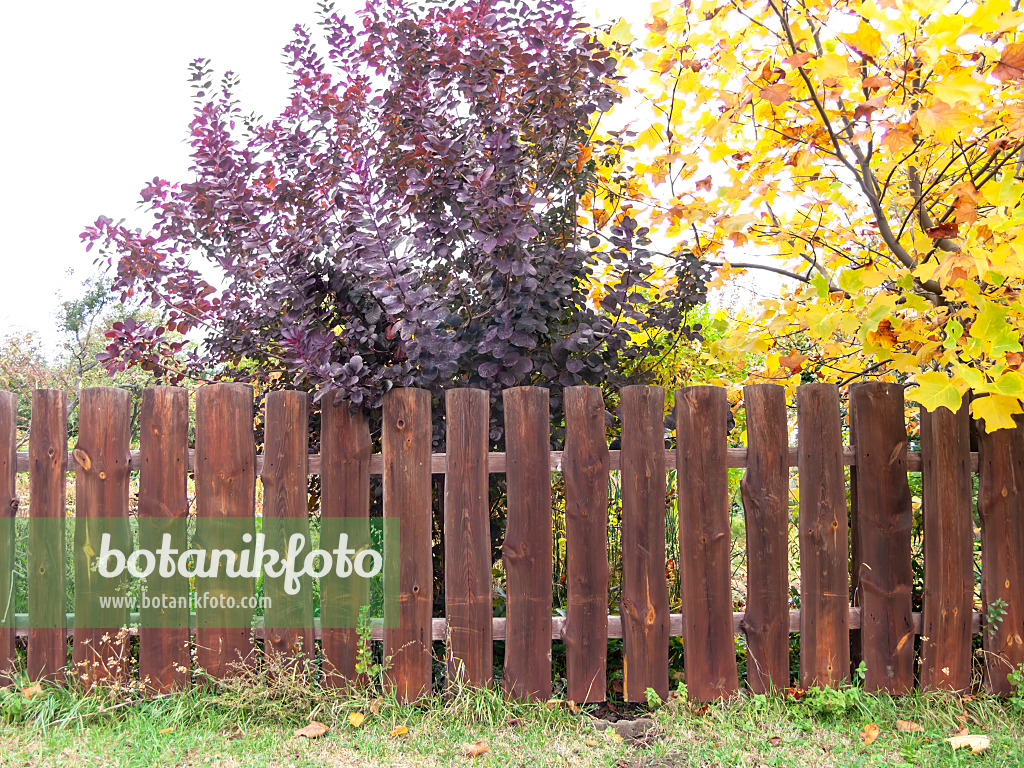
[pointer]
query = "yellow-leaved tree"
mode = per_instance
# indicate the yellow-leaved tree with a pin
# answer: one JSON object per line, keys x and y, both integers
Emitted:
{"x": 870, "y": 152}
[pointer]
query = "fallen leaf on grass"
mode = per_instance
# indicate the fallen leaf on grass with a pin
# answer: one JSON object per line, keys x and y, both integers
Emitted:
{"x": 476, "y": 749}
{"x": 355, "y": 719}
{"x": 166, "y": 730}
{"x": 312, "y": 731}
{"x": 554, "y": 703}
{"x": 375, "y": 705}
{"x": 400, "y": 731}
{"x": 870, "y": 733}
{"x": 775, "y": 740}
{"x": 33, "y": 690}
{"x": 976, "y": 743}
{"x": 908, "y": 726}
{"x": 590, "y": 743}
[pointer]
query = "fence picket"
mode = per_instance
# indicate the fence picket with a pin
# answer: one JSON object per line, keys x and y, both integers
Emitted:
{"x": 824, "y": 538}
{"x": 100, "y": 649}
{"x": 1001, "y": 509}
{"x": 407, "y": 497}
{"x": 644, "y": 601}
{"x": 527, "y": 550}
{"x": 704, "y": 541}
{"x": 225, "y": 480}
{"x": 765, "y": 494}
{"x": 879, "y": 437}
{"x": 164, "y": 637}
{"x": 8, "y": 508}
{"x": 344, "y": 508}
{"x": 585, "y": 632}
{"x": 467, "y": 539}
{"x": 948, "y": 549}
{"x": 288, "y": 617}
{"x": 47, "y": 449}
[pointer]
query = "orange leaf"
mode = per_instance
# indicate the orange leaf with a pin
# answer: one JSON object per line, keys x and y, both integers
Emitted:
{"x": 1011, "y": 63}
{"x": 166, "y": 730}
{"x": 908, "y": 726}
{"x": 477, "y": 748}
{"x": 777, "y": 94}
{"x": 799, "y": 59}
{"x": 870, "y": 733}
{"x": 794, "y": 361}
{"x": 400, "y": 731}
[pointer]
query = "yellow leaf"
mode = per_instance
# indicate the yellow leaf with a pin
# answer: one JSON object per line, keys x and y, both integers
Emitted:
{"x": 977, "y": 743}
{"x": 866, "y": 40}
{"x": 166, "y": 730}
{"x": 934, "y": 389}
{"x": 997, "y": 411}
{"x": 621, "y": 33}
{"x": 400, "y": 731}
{"x": 355, "y": 719}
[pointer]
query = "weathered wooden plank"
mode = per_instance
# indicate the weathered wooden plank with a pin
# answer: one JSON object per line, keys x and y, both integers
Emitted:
{"x": 8, "y": 508}
{"x": 100, "y": 649}
{"x": 527, "y": 550}
{"x": 1001, "y": 508}
{"x": 344, "y": 510}
{"x": 164, "y": 638}
{"x": 704, "y": 541}
{"x": 644, "y": 600}
{"x": 407, "y": 498}
{"x": 289, "y": 617}
{"x": 824, "y": 539}
{"x": 467, "y": 540}
{"x": 884, "y": 517}
{"x": 765, "y": 493}
{"x": 47, "y": 446}
{"x": 225, "y": 480}
{"x": 586, "y": 531}
{"x": 948, "y": 549}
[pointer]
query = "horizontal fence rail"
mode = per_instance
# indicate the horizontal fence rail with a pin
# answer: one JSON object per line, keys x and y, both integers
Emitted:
{"x": 854, "y": 538}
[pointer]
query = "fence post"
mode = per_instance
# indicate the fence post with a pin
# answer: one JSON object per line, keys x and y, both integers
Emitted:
{"x": 47, "y": 595}
{"x": 288, "y": 621}
{"x": 101, "y": 457}
{"x": 702, "y": 415}
{"x": 884, "y": 517}
{"x": 164, "y": 636}
{"x": 225, "y": 477}
{"x": 1001, "y": 508}
{"x": 344, "y": 508}
{"x": 8, "y": 508}
{"x": 467, "y": 539}
{"x": 407, "y": 498}
{"x": 765, "y": 493}
{"x": 527, "y": 550}
{"x": 585, "y": 469}
{"x": 948, "y": 549}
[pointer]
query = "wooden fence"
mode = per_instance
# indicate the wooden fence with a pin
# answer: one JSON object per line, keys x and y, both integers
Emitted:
{"x": 855, "y": 565}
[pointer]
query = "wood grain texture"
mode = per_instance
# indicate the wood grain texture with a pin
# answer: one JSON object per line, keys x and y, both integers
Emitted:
{"x": 164, "y": 638}
{"x": 879, "y": 437}
{"x": 1001, "y": 509}
{"x": 100, "y": 649}
{"x": 585, "y": 465}
{"x": 948, "y": 549}
{"x": 704, "y": 542}
{"x": 288, "y": 617}
{"x": 469, "y": 656}
{"x": 8, "y": 508}
{"x": 765, "y": 494}
{"x": 344, "y": 509}
{"x": 644, "y": 601}
{"x": 47, "y": 447}
{"x": 824, "y": 539}
{"x": 527, "y": 549}
{"x": 225, "y": 480}
{"x": 407, "y": 497}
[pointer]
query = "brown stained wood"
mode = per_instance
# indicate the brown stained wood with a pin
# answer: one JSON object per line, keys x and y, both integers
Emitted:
{"x": 644, "y": 601}
{"x": 288, "y": 617}
{"x": 467, "y": 539}
{"x": 407, "y": 498}
{"x": 527, "y": 550}
{"x": 47, "y": 447}
{"x": 765, "y": 494}
{"x": 948, "y": 549}
{"x": 1001, "y": 509}
{"x": 585, "y": 465}
{"x": 164, "y": 638}
{"x": 100, "y": 649}
{"x": 879, "y": 437}
{"x": 824, "y": 539}
{"x": 225, "y": 481}
{"x": 8, "y": 508}
{"x": 704, "y": 542}
{"x": 344, "y": 510}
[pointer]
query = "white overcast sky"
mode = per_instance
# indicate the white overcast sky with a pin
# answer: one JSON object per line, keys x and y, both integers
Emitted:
{"x": 97, "y": 102}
